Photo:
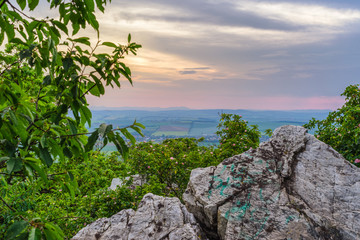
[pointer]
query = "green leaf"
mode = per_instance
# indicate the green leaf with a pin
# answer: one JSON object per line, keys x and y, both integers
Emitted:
{"x": 73, "y": 128}
{"x": 140, "y": 125}
{"x": 35, "y": 234}
{"x": 70, "y": 190}
{"x": 15, "y": 15}
{"x": 61, "y": 26}
{"x": 14, "y": 165}
{"x": 99, "y": 4}
{"x": 53, "y": 232}
{"x": 92, "y": 140}
{"x": 129, "y": 38}
{"x": 71, "y": 176}
{"x": 109, "y": 44}
{"x": 43, "y": 141}
{"x": 93, "y": 22}
{"x": 102, "y": 129}
{"x": 15, "y": 229}
{"x": 47, "y": 80}
{"x": 10, "y": 32}
{"x": 121, "y": 146}
{"x": 67, "y": 152}
{"x": 138, "y": 130}
{"x": 76, "y": 28}
{"x": 32, "y": 25}
{"x": 4, "y": 159}
{"x": 1, "y": 36}
{"x": 90, "y": 5}
{"x": 67, "y": 63}
{"x": 18, "y": 41}
{"x": 128, "y": 135}
{"x": 86, "y": 114}
{"x": 33, "y": 4}
{"x": 22, "y": 4}
{"x": 94, "y": 90}
{"x": 108, "y": 129}
{"x": 83, "y": 40}
{"x": 45, "y": 156}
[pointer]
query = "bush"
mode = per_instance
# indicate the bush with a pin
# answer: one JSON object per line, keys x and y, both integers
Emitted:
{"x": 341, "y": 128}
{"x": 236, "y": 136}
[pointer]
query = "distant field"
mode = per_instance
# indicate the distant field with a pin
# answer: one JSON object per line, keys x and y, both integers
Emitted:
{"x": 170, "y": 133}
{"x": 198, "y": 123}
{"x": 173, "y": 129}
{"x": 203, "y": 128}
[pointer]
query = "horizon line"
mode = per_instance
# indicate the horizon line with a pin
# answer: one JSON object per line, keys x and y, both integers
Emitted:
{"x": 178, "y": 108}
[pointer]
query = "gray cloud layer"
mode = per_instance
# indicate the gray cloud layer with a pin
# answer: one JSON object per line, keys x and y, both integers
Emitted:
{"x": 252, "y": 48}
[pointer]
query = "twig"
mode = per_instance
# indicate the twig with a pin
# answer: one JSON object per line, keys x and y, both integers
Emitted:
{"x": 12, "y": 209}
{"x": 38, "y": 98}
{"x": 19, "y": 11}
{"x": 9, "y": 67}
{"x": 1, "y": 4}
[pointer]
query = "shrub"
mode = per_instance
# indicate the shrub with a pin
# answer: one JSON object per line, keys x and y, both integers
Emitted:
{"x": 341, "y": 128}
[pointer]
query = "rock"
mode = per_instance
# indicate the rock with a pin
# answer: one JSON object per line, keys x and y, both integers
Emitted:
{"x": 156, "y": 218}
{"x": 292, "y": 187}
{"x": 137, "y": 180}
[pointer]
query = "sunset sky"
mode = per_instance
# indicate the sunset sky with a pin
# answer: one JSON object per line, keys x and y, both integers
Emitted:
{"x": 235, "y": 54}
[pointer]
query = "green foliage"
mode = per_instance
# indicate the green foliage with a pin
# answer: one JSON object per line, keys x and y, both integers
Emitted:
{"x": 71, "y": 204}
{"x": 236, "y": 136}
{"x": 45, "y": 76}
{"x": 167, "y": 166}
{"x": 58, "y": 205}
{"x": 341, "y": 129}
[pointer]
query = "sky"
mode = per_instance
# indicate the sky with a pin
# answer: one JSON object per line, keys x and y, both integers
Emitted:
{"x": 235, "y": 54}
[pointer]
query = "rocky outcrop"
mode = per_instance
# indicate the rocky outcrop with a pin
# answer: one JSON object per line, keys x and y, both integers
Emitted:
{"x": 156, "y": 218}
{"x": 137, "y": 180}
{"x": 291, "y": 187}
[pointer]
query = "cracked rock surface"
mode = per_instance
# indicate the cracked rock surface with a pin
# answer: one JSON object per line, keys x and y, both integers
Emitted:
{"x": 291, "y": 187}
{"x": 156, "y": 218}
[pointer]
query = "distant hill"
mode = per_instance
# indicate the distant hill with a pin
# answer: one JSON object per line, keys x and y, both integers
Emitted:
{"x": 99, "y": 108}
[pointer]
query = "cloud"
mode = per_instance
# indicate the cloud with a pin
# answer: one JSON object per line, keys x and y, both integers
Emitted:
{"x": 187, "y": 72}
{"x": 238, "y": 49}
{"x": 301, "y": 13}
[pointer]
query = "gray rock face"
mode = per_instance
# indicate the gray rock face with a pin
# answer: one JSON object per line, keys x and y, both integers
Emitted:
{"x": 137, "y": 180}
{"x": 156, "y": 218}
{"x": 291, "y": 187}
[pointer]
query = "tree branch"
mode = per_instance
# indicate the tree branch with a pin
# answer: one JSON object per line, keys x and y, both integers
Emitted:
{"x": 22, "y": 13}
{"x": 2, "y": 4}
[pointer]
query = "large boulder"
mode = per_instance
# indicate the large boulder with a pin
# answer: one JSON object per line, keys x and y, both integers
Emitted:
{"x": 292, "y": 187}
{"x": 156, "y": 218}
